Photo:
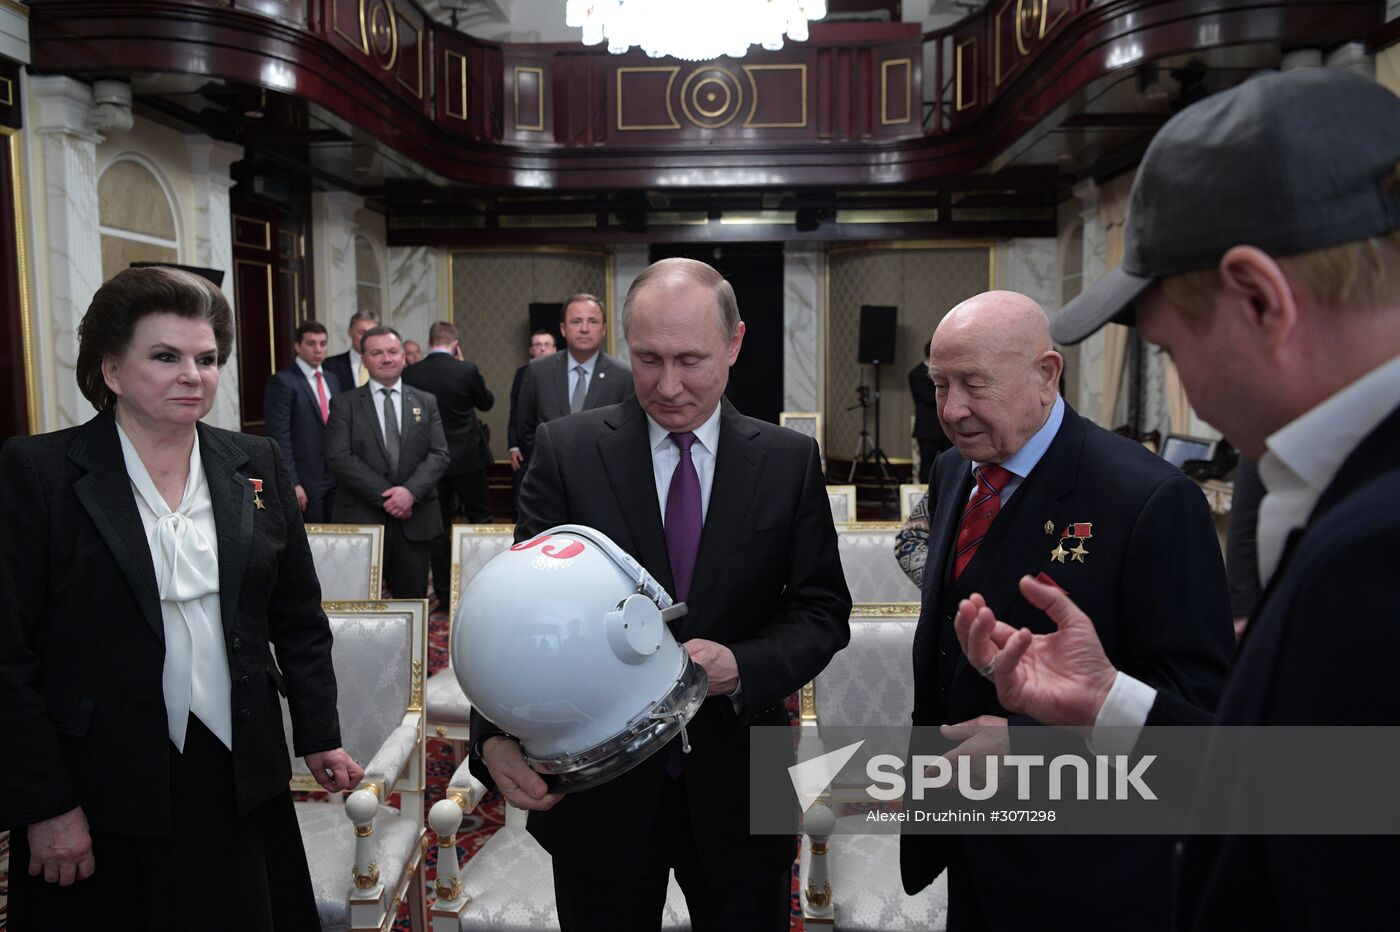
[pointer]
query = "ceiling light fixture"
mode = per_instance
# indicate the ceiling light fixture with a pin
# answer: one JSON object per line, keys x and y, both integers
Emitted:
{"x": 692, "y": 30}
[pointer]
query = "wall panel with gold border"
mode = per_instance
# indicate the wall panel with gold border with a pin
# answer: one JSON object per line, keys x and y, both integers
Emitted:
{"x": 19, "y": 396}
{"x": 491, "y": 293}
{"x": 924, "y": 279}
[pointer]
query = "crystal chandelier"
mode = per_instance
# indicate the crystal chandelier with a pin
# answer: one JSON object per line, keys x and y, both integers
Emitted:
{"x": 694, "y": 30}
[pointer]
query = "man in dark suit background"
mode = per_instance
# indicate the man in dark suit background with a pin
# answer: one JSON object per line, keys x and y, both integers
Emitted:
{"x": 1032, "y": 488}
{"x": 384, "y": 442}
{"x": 1279, "y": 300}
{"x": 348, "y": 367}
{"x": 296, "y": 404}
{"x": 580, "y": 379}
{"x": 542, "y": 343}
{"x": 748, "y": 544}
{"x": 928, "y": 432}
{"x": 460, "y": 392}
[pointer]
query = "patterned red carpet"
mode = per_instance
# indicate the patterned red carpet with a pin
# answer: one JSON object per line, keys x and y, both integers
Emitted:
{"x": 476, "y": 828}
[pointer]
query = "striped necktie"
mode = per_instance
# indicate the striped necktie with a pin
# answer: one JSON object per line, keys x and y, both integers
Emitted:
{"x": 981, "y": 511}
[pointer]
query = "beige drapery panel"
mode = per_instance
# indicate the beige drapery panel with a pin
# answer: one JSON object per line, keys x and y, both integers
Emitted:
{"x": 1113, "y": 210}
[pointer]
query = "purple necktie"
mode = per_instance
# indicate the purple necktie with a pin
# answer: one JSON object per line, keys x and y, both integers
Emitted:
{"x": 684, "y": 518}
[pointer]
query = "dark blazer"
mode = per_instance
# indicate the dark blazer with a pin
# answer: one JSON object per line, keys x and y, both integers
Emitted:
{"x": 1154, "y": 584}
{"x": 461, "y": 392}
{"x": 544, "y": 393}
{"x": 339, "y": 366}
{"x": 926, "y": 425}
{"x": 355, "y": 453}
{"x": 82, "y": 713}
{"x": 1320, "y": 649}
{"x": 293, "y": 418}
{"x": 768, "y": 584}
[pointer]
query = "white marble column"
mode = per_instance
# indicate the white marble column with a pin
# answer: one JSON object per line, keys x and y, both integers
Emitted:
{"x": 629, "y": 261}
{"x": 413, "y": 295}
{"x": 213, "y": 248}
{"x": 1091, "y": 351}
{"x": 333, "y": 259}
{"x": 803, "y": 352}
{"x": 72, "y": 252}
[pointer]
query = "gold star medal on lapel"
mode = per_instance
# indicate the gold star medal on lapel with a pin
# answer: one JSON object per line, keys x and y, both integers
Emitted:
{"x": 1078, "y": 532}
{"x": 257, "y": 494}
{"x": 417, "y": 415}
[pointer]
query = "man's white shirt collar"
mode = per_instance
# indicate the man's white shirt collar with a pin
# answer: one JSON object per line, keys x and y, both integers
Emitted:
{"x": 707, "y": 434}
{"x": 306, "y": 368}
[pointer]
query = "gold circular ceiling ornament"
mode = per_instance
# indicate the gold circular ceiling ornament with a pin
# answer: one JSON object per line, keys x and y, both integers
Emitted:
{"x": 711, "y": 97}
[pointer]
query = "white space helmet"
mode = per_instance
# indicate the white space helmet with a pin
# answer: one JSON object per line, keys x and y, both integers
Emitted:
{"x": 562, "y": 642}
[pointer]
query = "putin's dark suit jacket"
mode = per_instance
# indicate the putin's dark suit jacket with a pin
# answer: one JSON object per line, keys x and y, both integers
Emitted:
{"x": 355, "y": 453}
{"x": 339, "y": 366}
{"x": 767, "y": 584}
{"x": 461, "y": 392}
{"x": 82, "y": 713}
{"x": 544, "y": 393}
{"x": 1154, "y": 584}
{"x": 293, "y": 418}
{"x": 1320, "y": 649}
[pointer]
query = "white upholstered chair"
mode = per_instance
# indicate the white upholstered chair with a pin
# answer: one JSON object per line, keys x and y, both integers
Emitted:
{"x": 869, "y": 684}
{"x": 869, "y": 562}
{"x": 807, "y": 423}
{"x": 508, "y": 885}
{"x": 843, "y": 503}
{"x": 909, "y": 495}
{"x": 349, "y": 560}
{"x": 449, "y": 712}
{"x": 366, "y": 856}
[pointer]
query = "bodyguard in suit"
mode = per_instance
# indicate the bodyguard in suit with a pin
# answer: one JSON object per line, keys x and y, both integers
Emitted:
{"x": 928, "y": 432}
{"x": 1034, "y": 489}
{"x": 542, "y": 343}
{"x": 384, "y": 442}
{"x": 580, "y": 379}
{"x": 730, "y": 514}
{"x": 460, "y": 392}
{"x": 296, "y": 404}
{"x": 1278, "y": 300}
{"x": 349, "y": 367}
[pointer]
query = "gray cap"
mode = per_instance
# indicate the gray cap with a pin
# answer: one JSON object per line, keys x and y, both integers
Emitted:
{"x": 1288, "y": 163}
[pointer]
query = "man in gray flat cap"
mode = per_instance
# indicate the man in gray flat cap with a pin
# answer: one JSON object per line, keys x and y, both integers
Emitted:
{"x": 1263, "y": 255}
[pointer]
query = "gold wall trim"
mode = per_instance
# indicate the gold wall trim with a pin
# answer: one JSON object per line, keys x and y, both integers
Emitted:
{"x": 886, "y": 609}
{"x": 17, "y": 8}
{"x": 361, "y": 41}
{"x": 707, "y": 119}
{"x": 538, "y": 125}
{"x": 672, "y": 71}
{"x": 271, "y": 313}
{"x": 753, "y": 105}
{"x": 26, "y": 325}
{"x": 868, "y": 526}
{"x": 885, "y": 66}
{"x": 393, "y": 33}
{"x": 418, "y": 45}
{"x": 266, "y": 243}
{"x": 448, "y": 55}
{"x": 7, "y": 92}
{"x": 960, "y": 100}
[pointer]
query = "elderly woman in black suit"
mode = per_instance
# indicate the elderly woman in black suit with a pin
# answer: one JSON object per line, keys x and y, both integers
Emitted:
{"x": 148, "y": 564}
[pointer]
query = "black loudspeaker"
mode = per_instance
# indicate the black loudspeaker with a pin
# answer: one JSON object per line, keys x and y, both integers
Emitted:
{"x": 212, "y": 275}
{"x": 546, "y": 317}
{"x": 877, "y": 326}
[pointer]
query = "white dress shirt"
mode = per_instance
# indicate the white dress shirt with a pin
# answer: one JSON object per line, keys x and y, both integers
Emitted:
{"x": 396, "y": 393}
{"x": 310, "y": 374}
{"x": 185, "y": 552}
{"x": 1020, "y": 463}
{"x": 665, "y": 456}
{"x": 1302, "y": 459}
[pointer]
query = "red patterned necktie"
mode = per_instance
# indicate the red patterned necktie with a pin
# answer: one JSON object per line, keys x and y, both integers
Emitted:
{"x": 981, "y": 511}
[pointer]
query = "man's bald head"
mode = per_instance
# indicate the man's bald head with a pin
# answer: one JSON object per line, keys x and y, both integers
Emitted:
{"x": 995, "y": 374}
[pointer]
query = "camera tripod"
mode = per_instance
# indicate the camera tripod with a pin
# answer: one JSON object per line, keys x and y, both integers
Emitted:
{"x": 868, "y": 453}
